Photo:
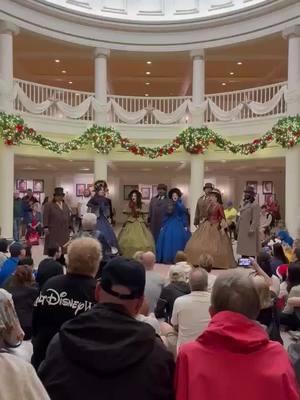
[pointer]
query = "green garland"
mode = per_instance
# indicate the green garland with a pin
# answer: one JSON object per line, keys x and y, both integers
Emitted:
{"x": 285, "y": 133}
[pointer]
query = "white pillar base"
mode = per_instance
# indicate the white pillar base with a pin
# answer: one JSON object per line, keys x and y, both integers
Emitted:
{"x": 196, "y": 184}
{"x": 7, "y": 190}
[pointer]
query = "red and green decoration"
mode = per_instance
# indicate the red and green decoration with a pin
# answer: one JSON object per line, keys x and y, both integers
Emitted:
{"x": 285, "y": 133}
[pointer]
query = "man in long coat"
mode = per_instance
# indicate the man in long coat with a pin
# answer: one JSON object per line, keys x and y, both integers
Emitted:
{"x": 56, "y": 221}
{"x": 158, "y": 210}
{"x": 202, "y": 205}
{"x": 248, "y": 241}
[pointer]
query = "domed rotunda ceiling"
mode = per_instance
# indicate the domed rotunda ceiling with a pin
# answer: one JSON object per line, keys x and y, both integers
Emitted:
{"x": 154, "y": 10}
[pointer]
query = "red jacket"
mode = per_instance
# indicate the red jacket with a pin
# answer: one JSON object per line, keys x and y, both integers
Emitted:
{"x": 234, "y": 360}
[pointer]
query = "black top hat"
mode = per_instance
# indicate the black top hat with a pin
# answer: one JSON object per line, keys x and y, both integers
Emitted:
{"x": 208, "y": 185}
{"x": 58, "y": 191}
{"x": 250, "y": 190}
{"x": 162, "y": 186}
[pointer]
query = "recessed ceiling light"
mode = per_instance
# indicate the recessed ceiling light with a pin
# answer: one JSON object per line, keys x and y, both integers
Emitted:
{"x": 147, "y": 83}
{"x": 239, "y": 63}
{"x": 149, "y": 62}
{"x": 146, "y": 94}
{"x": 84, "y": 169}
{"x": 223, "y": 83}
{"x": 77, "y": 94}
{"x": 63, "y": 71}
{"x": 231, "y": 73}
{"x": 57, "y": 60}
{"x": 148, "y": 73}
{"x": 70, "y": 82}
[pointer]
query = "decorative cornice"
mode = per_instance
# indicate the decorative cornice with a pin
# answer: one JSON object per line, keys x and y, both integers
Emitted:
{"x": 7, "y": 26}
{"x": 292, "y": 31}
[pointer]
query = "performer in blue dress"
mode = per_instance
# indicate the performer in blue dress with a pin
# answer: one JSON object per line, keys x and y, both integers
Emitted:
{"x": 100, "y": 206}
{"x": 175, "y": 232}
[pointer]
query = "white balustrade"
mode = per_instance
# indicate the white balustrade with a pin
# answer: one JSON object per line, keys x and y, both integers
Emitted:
{"x": 38, "y": 93}
{"x": 228, "y": 100}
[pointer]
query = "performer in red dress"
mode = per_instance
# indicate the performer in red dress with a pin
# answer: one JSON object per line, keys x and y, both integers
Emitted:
{"x": 211, "y": 237}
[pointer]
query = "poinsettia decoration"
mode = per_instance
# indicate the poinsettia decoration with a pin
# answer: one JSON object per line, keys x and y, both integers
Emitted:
{"x": 285, "y": 133}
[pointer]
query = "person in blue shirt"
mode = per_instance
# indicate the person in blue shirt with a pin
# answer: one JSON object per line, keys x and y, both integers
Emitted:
{"x": 17, "y": 252}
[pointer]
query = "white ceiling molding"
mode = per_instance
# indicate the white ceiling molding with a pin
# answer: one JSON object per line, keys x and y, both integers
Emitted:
{"x": 221, "y": 5}
{"x": 82, "y": 4}
{"x": 116, "y": 6}
{"x": 187, "y": 7}
{"x": 157, "y": 34}
{"x": 151, "y": 8}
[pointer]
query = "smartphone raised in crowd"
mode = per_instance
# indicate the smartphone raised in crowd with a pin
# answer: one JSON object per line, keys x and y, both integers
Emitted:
{"x": 245, "y": 262}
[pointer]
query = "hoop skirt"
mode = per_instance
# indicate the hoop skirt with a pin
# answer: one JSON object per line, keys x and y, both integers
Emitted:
{"x": 212, "y": 240}
{"x": 101, "y": 207}
{"x": 135, "y": 236}
{"x": 173, "y": 235}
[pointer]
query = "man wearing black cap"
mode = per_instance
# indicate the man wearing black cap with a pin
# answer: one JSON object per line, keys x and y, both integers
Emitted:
{"x": 57, "y": 221}
{"x": 248, "y": 241}
{"x": 158, "y": 210}
{"x": 106, "y": 353}
{"x": 202, "y": 205}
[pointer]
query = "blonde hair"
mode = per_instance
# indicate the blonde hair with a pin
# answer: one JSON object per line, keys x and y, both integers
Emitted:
{"x": 138, "y": 256}
{"x": 235, "y": 291}
{"x": 180, "y": 257}
{"x": 84, "y": 256}
{"x": 263, "y": 291}
{"x": 206, "y": 261}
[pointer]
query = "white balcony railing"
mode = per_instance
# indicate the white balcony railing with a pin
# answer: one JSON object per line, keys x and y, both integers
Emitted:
{"x": 227, "y": 101}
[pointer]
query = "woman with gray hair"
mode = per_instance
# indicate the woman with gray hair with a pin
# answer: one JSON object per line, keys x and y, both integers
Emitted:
{"x": 177, "y": 287}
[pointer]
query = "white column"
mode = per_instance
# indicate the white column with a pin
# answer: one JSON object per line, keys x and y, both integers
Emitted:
{"x": 196, "y": 184}
{"x": 101, "y": 84}
{"x": 7, "y": 31}
{"x": 198, "y": 88}
{"x": 7, "y": 189}
{"x": 292, "y": 161}
{"x": 100, "y": 167}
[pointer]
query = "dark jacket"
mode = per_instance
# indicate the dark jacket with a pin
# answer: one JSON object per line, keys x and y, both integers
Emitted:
{"x": 169, "y": 294}
{"x": 24, "y": 298}
{"x": 62, "y": 298}
{"x": 106, "y": 354}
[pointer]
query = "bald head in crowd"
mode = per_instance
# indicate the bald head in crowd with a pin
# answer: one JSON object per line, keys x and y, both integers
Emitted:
{"x": 89, "y": 222}
{"x": 198, "y": 280}
{"x": 148, "y": 260}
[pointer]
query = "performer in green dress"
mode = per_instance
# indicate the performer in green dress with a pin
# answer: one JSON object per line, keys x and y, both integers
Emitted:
{"x": 135, "y": 235}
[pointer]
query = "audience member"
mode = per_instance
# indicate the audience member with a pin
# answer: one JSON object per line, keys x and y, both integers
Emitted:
{"x": 49, "y": 267}
{"x": 182, "y": 261}
{"x": 138, "y": 256}
{"x": 206, "y": 262}
{"x": 64, "y": 297}
{"x": 154, "y": 281}
{"x": 264, "y": 262}
{"x": 289, "y": 316}
{"x": 176, "y": 288}
{"x": 279, "y": 257}
{"x": 18, "y": 379}
{"x": 250, "y": 366}
{"x": 231, "y": 216}
{"x": 106, "y": 350}
{"x": 191, "y": 312}
{"x": 17, "y": 252}
{"x": 24, "y": 293}
{"x": 3, "y": 251}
